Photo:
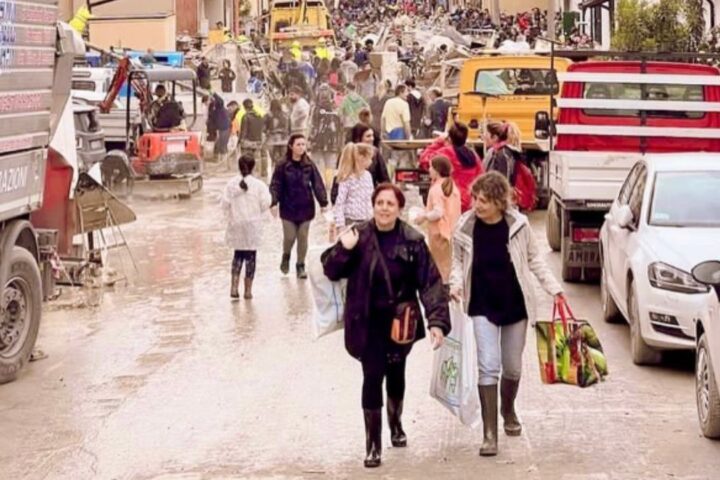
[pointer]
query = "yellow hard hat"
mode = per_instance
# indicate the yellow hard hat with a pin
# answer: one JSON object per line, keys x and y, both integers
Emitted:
{"x": 296, "y": 43}
{"x": 321, "y": 41}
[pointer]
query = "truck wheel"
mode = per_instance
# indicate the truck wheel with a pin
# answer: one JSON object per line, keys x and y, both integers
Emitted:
{"x": 610, "y": 311}
{"x": 553, "y": 228}
{"x": 708, "y": 396}
{"x": 21, "y": 302}
{"x": 641, "y": 353}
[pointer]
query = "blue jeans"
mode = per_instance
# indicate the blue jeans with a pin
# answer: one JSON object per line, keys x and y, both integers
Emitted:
{"x": 499, "y": 350}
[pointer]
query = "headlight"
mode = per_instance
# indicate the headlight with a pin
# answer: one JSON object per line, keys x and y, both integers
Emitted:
{"x": 670, "y": 278}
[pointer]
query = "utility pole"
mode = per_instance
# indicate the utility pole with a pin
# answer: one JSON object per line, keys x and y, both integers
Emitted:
{"x": 552, "y": 10}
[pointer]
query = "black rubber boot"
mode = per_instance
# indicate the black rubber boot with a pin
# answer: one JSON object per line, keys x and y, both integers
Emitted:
{"x": 489, "y": 407}
{"x": 248, "y": 289}
{"x": 300, "y": 269}
{"x": 373, "y": 437}
{"x": 508, "y": 394}
{"x": 234, "y": 281}
{"x": 285, "y": 265}
{"x": 394, "y": 414}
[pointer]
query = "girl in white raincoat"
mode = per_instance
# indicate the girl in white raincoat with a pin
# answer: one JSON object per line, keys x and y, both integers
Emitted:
{"x": 245, "y": 202}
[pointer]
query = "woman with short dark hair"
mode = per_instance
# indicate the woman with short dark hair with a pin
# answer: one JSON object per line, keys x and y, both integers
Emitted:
{"x": 495, "y": 257}
{"x": 387, "y": 266}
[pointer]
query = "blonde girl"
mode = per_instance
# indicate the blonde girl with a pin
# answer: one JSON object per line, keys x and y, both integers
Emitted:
{"x": 355, "y": 185}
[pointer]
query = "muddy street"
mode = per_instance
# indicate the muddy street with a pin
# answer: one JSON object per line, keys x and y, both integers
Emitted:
{"x": 166, "y": 378}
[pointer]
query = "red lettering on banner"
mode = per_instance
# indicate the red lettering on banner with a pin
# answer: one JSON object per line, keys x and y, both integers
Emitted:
{"x": 13, "y": 144}
{"x": 30, "y": 14}
{"x": 24, "y": 102}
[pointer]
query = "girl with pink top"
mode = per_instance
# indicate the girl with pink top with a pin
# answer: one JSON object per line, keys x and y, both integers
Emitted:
{"x": 441, "y": 213}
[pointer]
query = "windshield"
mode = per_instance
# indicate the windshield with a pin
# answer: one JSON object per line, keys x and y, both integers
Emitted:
{"x": 634, "y": 91}
{"x": 515, "y": 81}
{"x": 686, "y": 199}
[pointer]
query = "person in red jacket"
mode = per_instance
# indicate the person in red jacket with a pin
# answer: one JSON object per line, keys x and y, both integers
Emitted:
{"x": 466, "y": 163}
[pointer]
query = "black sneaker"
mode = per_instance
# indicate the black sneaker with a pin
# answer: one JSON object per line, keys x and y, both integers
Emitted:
{"x": 301, "y": 273}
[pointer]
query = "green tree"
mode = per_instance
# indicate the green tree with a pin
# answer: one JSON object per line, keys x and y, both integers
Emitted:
{"x": 631, "y": 32}
{"x": 665, "y": 25}
{"x": 695, "y": 21}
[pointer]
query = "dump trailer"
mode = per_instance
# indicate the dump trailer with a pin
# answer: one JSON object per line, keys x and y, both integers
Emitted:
{"x": 38, "y": 167}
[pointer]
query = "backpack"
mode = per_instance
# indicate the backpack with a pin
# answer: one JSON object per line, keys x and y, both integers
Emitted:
{"x": 525, "y": 187}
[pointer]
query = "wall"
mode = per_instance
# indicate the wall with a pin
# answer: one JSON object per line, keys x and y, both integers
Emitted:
{"x": 188, "y": 16}
{"x": 137, "y": 34}
{"x": 131, "y": 7}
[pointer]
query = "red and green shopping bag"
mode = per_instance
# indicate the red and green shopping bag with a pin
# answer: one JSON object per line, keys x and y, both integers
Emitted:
{"x": 569, "y": 350}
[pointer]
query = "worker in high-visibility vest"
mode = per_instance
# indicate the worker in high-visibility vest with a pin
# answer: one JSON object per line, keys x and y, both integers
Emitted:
{"x": 296, "y": 51}
{"x": 322, "y": 51}
{"x": 80, "y": 20}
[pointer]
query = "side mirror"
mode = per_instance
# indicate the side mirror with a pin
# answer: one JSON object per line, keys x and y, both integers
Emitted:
{"x": 624, "y": 217}
{"x": 707, "y": 273}
{"x": 542, "y": 125}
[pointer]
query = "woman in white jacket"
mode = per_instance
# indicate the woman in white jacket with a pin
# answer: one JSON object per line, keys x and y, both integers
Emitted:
{"x": 245, "y": 202}
{"x": 495, "y": 256}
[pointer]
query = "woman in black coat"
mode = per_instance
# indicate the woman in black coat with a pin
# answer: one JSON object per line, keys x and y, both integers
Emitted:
{"x": 386, "y": 262}
{"x": 296, "y": 184}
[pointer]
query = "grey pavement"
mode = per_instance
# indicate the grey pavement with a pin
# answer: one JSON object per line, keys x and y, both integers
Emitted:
{"x": 166, "y": 378}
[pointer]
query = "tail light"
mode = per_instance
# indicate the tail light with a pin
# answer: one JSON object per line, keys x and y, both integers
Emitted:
{"x": 406, "y": 176}
{"x": 585, "y": 235}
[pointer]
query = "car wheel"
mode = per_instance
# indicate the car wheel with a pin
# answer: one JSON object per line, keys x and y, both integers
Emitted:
{"x": 552, "y": 226}
{"x": 708, "y": 397}
{"x": 610, "y": 311}
{"x": 641, "y": 353}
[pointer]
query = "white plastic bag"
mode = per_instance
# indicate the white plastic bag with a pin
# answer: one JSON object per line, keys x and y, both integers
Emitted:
{"x": 328, "y": 296}
{"x": 454, "y": 376}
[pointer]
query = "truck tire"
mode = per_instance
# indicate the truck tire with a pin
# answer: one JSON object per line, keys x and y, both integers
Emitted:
{"x": 22, "y": 305}
{"x": 553, "y": 228}
{"x": 641, "y": 353}
{"x": 708, "y": 395}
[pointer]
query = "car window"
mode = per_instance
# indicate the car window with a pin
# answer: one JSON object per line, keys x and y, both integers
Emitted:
{"x": 626, "y": 189}
{"x": 686, "y": 199}
{"x": 638, "y": 192}
{"x": 634, "y": 91}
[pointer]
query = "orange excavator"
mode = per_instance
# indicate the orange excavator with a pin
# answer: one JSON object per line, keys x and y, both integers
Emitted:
{"x": 159, "y": 144}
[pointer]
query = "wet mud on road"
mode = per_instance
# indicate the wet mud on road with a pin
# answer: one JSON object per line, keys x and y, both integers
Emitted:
{"x": 166, "y": 378}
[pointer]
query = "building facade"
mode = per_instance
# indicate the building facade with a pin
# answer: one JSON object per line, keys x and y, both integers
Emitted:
{"x": 598, "y": 17}
{"x": 141, "y": 24}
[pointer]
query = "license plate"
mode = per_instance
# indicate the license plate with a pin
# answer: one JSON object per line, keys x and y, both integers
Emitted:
{"x": 176, "y": 147}
{"x": 583, "y": 258}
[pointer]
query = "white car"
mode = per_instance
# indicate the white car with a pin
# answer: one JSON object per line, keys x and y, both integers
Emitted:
{"x": 707, "y": 363}
{"x": 665, "y": 220}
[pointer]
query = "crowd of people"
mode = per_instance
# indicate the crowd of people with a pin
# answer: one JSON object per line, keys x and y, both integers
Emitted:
{"x": 323, "y": 145}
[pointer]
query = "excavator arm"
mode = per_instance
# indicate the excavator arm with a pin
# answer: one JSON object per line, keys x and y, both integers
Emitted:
{"x": 139, "y": 87}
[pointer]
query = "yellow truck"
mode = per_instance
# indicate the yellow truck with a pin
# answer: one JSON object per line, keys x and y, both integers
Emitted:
{"x": 302, "y": 21}
{"x": 501, "y": 87}
{"x": 522, "y": 85}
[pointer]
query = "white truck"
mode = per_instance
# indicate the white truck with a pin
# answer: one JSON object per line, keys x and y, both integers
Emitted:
{"x": 38, "y": 166}
{"x": 610, "y": 114}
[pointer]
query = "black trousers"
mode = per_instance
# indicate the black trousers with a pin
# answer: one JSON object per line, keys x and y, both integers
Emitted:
{"x": 383, "y": 360}
{"x": 248, "y": 257}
